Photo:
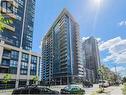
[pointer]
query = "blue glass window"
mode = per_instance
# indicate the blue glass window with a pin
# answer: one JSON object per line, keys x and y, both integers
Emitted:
{"x": 24, "y": 65}
{"x": 14, "y": 54}
{"x": 13, "y": 63}
{"x": 25, "y": 57}
{"x": 34, "y": 59}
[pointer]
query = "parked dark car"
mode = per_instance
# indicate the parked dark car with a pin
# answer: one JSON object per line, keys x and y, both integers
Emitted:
{"x": 72, "y": 90}
{"x": 116, "y": 83}
{"x": 87, "y": 84}
{"x": 34, "y": 90}
{"x": 90, "y": 84}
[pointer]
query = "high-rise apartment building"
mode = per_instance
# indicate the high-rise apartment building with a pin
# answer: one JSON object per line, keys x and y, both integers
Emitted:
{"x": 16, "y": 57}
{"x": 21, "y": 12}
{"x": 61, "y": 59}
{"x": 91, "y": 59}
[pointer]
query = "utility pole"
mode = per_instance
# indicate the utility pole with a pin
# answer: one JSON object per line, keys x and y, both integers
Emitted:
{"x": 116, "y": 73}
{"x": 115, "y": 69}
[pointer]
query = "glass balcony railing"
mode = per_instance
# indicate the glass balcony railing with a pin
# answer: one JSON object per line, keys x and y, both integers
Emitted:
{"x": 6, "y": 55}
{"x": 5, "y": 64}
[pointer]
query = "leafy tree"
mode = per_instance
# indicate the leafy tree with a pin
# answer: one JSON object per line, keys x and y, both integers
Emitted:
{"x": 124, "y": 89}
{"x": 6, "y": 79}
{"x": 107, "y": 74}
{"x": 103, "y": 72}
{"x": 35, "y": 79}
{"x": 1, "y": 24}
{"x": 4, "y": 21}
{"x": 124, "y": 80}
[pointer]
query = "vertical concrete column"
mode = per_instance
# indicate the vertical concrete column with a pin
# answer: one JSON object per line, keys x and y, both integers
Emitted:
{"x": 1, "y": 53}
{"x": 60, "y": 80}
{"x": 28, "y": 75}
{"x": 68, "y": 80}
{"x": 18, "y": 68}
{"x": 37, "y": 72}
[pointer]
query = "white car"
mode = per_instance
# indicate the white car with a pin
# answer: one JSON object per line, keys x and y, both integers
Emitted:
{"x": 103, "y": 84}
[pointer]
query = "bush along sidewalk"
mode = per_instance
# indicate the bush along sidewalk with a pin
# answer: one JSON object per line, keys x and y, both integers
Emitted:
{"x": 124, "y": 89}
{"x": 98, "y": 91}
{"x": 101, "y": 91}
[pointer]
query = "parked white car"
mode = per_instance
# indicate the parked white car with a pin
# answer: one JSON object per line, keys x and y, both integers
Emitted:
{"x": 103, "y": 83}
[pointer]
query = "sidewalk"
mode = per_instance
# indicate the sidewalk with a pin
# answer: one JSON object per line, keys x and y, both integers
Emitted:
{"x": 113, "y": 90}
{"x": 5, "y": 91}
{"x": 116, "y": 91}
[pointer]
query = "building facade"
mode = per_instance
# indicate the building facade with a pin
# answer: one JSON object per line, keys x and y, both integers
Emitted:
{"x": 16, "y": 57}
{"x": 22, "y": 65}
{"x": 61, "y": 59}
{"x": 20, "y": 32}
{"x": 91, "y": 59}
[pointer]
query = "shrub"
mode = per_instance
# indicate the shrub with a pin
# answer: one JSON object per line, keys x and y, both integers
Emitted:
{"x": 100, "y": 90}
{"x": 124, "y": 89}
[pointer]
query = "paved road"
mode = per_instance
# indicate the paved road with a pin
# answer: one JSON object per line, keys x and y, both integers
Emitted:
{"x": 113, "y": 90}
{"x": 89, "y": 91}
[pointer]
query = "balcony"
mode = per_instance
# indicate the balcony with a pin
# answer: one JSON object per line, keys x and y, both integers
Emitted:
{"x": 6, "y": 56}
{"x": 5, "y": 67}
{"x": 63, "y": 56}
{"x": 64, "y": 72}
{"x": 63, "y": 60}
{"x": 13, "y": 76}
{"x": 63, "y": 48}
{"x": 13, "y": 2}
{"x": 8, "y": 27}
{"x": 63, "y": 52}
{"x": 63, "y": 65}
{"x": 5, "y": 63}
{"x": 9, "y": 14}
{"x": 24, "y": 60}
{"x": 23, "y": 77}
{"x": 14, "y": 57}
{"x": 63, "y": 36}
{"x": 64, "y": 69}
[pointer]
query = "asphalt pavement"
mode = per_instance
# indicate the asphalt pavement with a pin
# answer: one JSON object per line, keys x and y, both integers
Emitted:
{"x": 112, "y": 90}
